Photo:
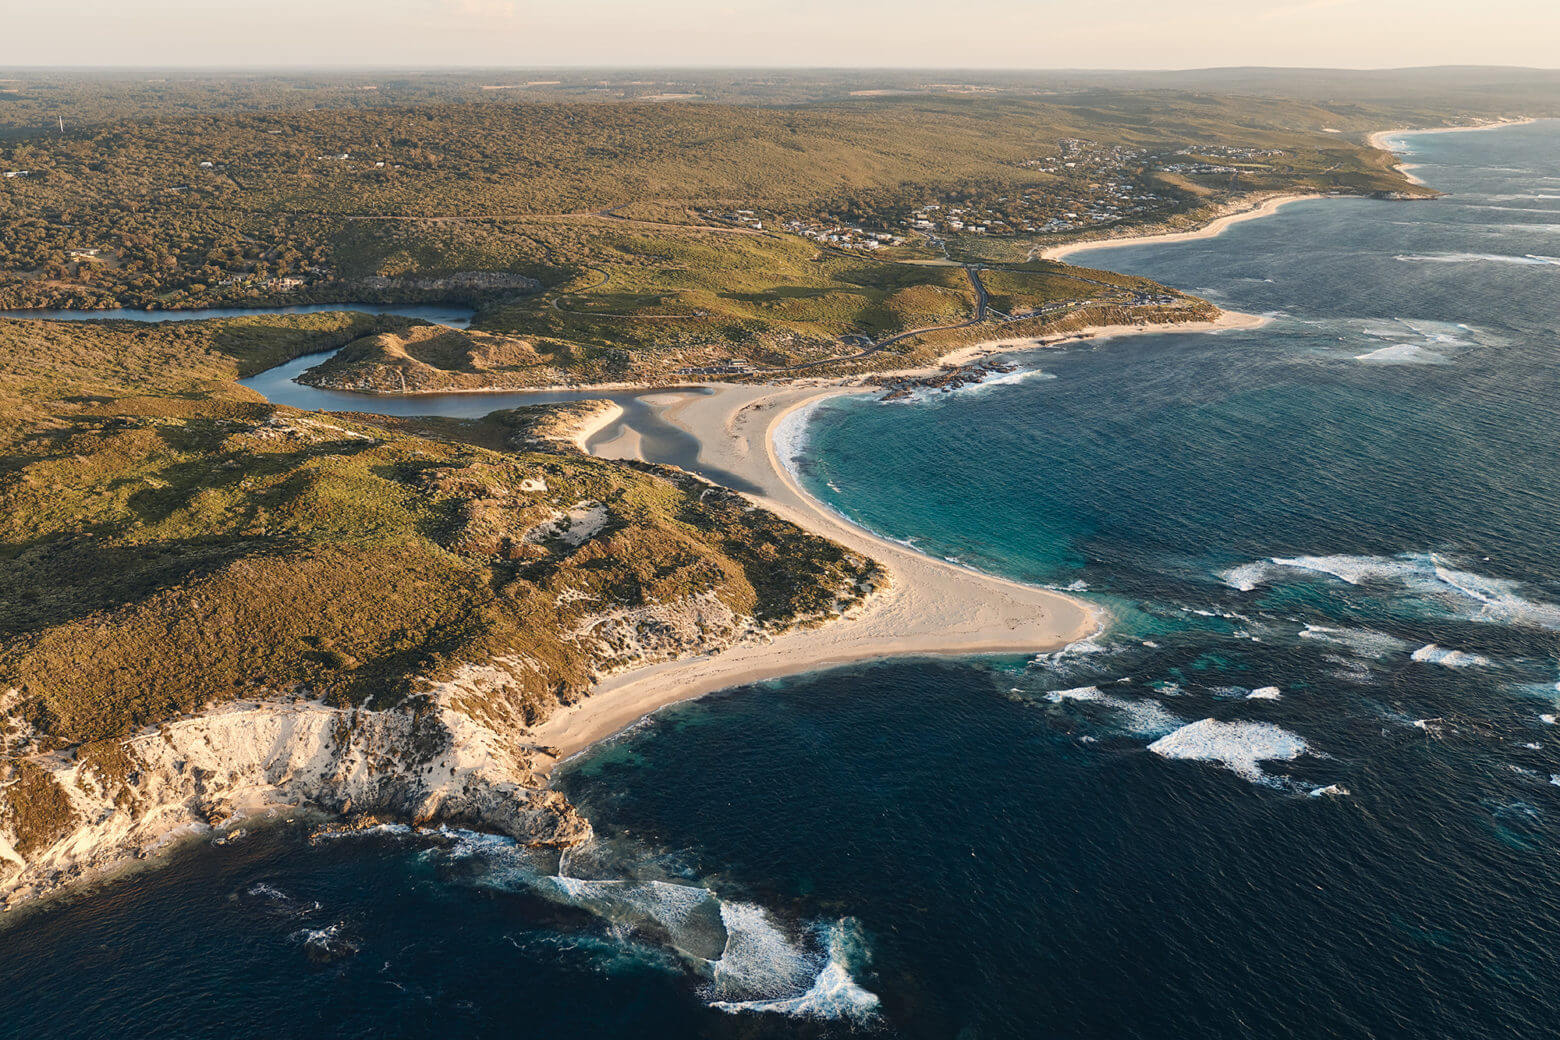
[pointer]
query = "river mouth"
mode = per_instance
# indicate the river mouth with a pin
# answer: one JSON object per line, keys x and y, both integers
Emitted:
{"x": 658, "y": 440}
{"x": 440, "y": 314}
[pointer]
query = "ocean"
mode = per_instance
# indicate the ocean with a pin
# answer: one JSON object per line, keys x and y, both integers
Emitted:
{"x": 1306, "y": 783}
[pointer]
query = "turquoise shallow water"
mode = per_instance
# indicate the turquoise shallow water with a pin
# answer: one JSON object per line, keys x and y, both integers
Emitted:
{"x": 1305, "y": 785}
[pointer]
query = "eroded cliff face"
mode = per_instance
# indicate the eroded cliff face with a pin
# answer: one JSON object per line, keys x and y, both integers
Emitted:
{"x": 66, "y": 816}
{"x": 457, "y": 752}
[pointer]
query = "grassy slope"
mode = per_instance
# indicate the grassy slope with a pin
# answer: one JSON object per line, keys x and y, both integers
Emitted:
{"x": 167, "y": 540}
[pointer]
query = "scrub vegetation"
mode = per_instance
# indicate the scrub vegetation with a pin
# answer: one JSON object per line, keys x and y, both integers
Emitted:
{"x": 168, "y": 540}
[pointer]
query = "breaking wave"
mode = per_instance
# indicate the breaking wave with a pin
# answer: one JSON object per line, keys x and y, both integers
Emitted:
{"x": 1363, "y": 641}
{"x": 1074, "y": 656}
{"x": 1464, "y": 594}
{"x": 931, "y": 394}
{"x": 1403, "y": 354}
{"x": 1240, "y": 747}
{"x": 1527, "y": 259}
{"x": 790, "y": 437}
{"x": 750, "y": 961}
{"x": 1145, "y": 717}
{"x": 1522, "y": 197}
{"x": 325, "y": 944}
{"x": 764, "y": 955}
{"x": 1432, "y": 654}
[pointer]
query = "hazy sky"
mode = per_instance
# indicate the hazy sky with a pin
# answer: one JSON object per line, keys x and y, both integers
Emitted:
{"x": 965, "y": 33}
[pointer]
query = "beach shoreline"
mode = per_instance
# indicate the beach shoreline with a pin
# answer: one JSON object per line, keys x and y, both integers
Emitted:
{"x": 1226, "y": 321}
{"x": 1249, "y": 209}
{"x": 929, "y": 608}
{"x": 926, "y": 608}
{"x": 1378, "y": 139}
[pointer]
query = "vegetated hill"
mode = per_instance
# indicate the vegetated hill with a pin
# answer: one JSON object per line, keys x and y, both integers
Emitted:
{"x": 174, "y": 209}
{"x": 35, "y": 98}
{"x": 170, "y": 542}
{"x": 756, "y": 307}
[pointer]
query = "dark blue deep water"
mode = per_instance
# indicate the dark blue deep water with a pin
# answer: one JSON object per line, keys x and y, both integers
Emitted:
{"x": 1306, "y": 784}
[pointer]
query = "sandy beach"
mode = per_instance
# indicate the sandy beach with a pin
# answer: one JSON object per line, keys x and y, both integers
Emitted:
{"x": 1377, "y": 139}
{"x": 1226, "y": 321}
{"x": 1380, "y": 137}
{"x": 1252, "y": 210}
{"x": 930, "y": 607}
{"x": 596, "y": 423}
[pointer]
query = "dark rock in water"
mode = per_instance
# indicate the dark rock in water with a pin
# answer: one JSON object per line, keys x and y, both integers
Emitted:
{"x": 946, "y": 380}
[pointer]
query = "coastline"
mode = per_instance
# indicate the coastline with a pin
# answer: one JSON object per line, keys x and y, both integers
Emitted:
{"x": 1378, "y": 139}
{"x": 929, "y": 607}
{"x": 1251, "y": 210}
{"x": 1226, "y": 321}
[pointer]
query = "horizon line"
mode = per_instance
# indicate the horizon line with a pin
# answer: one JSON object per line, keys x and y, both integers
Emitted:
{"x": 697, "y": 67}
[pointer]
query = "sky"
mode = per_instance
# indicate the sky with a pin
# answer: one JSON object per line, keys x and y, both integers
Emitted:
{"x": 1009, "y": 34}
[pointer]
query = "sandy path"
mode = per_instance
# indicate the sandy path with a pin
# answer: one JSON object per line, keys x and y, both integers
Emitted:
{"x": 931, "y": 607}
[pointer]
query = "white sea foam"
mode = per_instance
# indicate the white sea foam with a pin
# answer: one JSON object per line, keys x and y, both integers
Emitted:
{"x": 759, "y": 961}
{"x": 1364, "y": 641}
{"x": 1414, "y": 341}
{"x": 1247, "y": 576}
{"x": 1403, "y": 354}
{"x": 832, "y": 993}
{"x": 1072, "y": 655}
{"x": 690, "y": 916}
{"x": 328, "y": 943}
{"x": 1081, "y": 693}
{"x": 929, "y": 394}
{"x": 1145, "y": 717}
{"x": 790, "y": 436}
{"x": 751, "y": 962}
{"x": 1432, "y": 654}
{"x": 1465, "y": 594}
{"x": 1331, "y": 790}
{"x": 398, "y": 830}
{"x": 1352, "y": 569}
{"x": 1238, "y": 746}
{"x": 1529, "y": 259}
{"x": 1264, "y": 693}
{"x": 264, "y": 891}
